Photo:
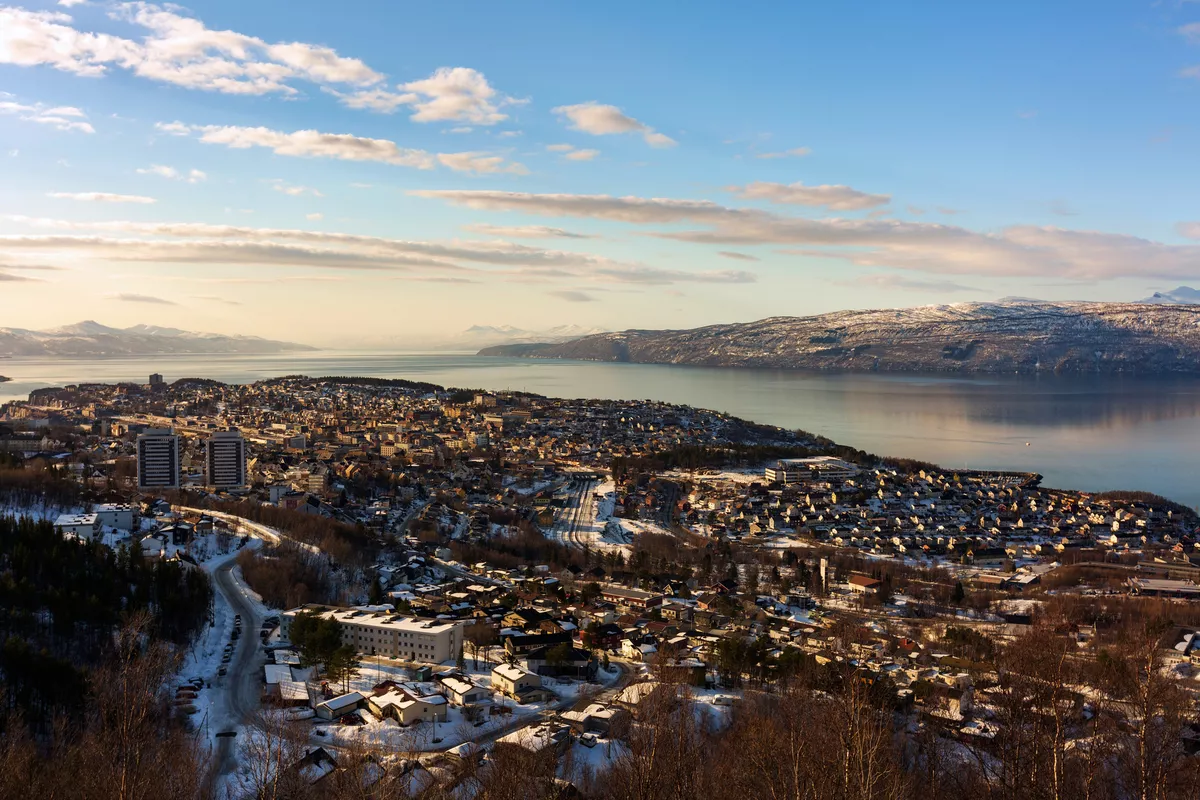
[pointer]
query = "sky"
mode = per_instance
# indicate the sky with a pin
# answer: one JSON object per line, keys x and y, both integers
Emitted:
{"x": 383, "y": 174}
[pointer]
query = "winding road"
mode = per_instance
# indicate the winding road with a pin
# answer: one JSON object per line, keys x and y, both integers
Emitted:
{"x": 242, "y": 687}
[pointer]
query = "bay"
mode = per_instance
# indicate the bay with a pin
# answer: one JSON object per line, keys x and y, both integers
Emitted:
{"x": 1082, "y": 433}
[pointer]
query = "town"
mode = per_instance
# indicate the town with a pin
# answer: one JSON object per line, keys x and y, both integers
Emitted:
{"x": 422, "y": 587}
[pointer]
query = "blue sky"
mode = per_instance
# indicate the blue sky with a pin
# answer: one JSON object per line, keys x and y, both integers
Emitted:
{"x": 402, "y": 171}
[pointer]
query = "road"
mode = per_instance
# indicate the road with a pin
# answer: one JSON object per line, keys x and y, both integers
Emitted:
{"x": 241, "y": 687}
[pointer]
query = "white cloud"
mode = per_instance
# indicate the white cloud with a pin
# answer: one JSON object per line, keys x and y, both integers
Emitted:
{"x": 833, "y": 197}
{"x": 72, "y": 3}
{"x": 737, "y": 256}
{"x": 314, "y": 144}
{"x": 480, "y": 163}
{"x": 602, "y": 120}
{"x": 173, "y": 128}
{"x": 64, "y": 118}
{"x": 581, "y": 155}
{"x": 560, "y": 148}
{"x": 125, "y": 241}
{"x": 525, "y": 232}
{"x": 102, "y": 197}
{"x": 347, "y": 147}
{"x": 174, "y": 49}
{"x": 292, "y": 190}
{"x": 795, "y": 152}
{"x": 317, "y": 217}
{"x": 458, "y": 94}
{"x": 170, "y": 173}
{"x": 1019, "y": 250}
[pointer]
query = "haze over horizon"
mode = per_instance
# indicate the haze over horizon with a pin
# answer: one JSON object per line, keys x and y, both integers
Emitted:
{"x": 285, "y": 172}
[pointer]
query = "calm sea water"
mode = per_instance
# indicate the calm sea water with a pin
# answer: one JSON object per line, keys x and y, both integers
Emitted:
{"x": 1090, "y": 434}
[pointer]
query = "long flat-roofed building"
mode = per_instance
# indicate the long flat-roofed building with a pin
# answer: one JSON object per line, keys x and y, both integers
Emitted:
{"x": 386, "y": 633}
{"x": 821, "y": 468}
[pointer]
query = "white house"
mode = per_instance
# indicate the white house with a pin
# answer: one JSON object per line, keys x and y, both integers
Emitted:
{"x": 511, "y": 680}
{"x": 116, "y": 515}
{"x": 81, "y": 526}
{"x": 463, "y": 693}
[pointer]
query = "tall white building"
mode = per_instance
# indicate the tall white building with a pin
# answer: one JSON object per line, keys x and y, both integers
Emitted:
{"x": 225, "y": 460}
{"x": 158, "y": 459}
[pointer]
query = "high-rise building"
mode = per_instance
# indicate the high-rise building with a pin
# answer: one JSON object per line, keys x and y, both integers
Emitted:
{"x": 158, "y": 459}
{"x": 225, "y": 460}
{"x": 156, "y": 381}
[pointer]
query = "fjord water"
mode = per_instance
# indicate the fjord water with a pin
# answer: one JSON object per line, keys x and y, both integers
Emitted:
{"x": 1083, "y": 433}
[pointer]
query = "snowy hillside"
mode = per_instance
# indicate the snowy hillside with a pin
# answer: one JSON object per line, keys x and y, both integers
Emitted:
{"x": 1011, "y": 336}
{"x": 89, "y": 339}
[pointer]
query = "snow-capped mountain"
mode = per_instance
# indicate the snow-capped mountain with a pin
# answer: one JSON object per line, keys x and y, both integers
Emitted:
{"x": 1182, "y": 295}
{"x": 90, "y": 339}
{"x": 1022, "y": 336}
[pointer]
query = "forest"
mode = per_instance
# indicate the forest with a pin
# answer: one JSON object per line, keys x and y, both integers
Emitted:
{"x": 61, "y": 600}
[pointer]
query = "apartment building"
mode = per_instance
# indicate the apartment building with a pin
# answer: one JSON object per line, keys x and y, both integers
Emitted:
{"x": 158, "y": 459}
{"x": 386, "y": 633}
{"x": 225, "y": 460}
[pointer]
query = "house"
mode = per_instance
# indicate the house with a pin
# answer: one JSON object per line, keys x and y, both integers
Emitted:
{"x": 631, "y": 599}
{"x": 313, "y": 767}
{"x": 406, "y": 706}
{"x": 461, "y": 692}
{"x": 336, "y": 707}
{"x": 559, "y": 661}
{"x": 538, "y": 738}
{"x": 603, "y": 636}
{"x": 634, "y": 697}
{"x": 596, "y": 717}
{"x": 863, "y": 584}
{"x": 520, "y": 643}
{"x": 116, "y": 515}
{"x": 80, "y": 526}
{"x": 515, "y": 682}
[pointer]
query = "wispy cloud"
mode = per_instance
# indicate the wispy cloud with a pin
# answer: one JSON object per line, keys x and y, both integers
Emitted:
{"x": 901, "y": 282}
{"x": 737, "y": 256}
{"x": 347, "y": 147}
{"x": 64, "y": 118}
{"x": 127, "y": 297}
{"x": 833, "y": 197}
{"x": 102, "y": 197}
{"x": 795, "y": 152}
{"x": 1018, "y": 250}
{"x": 525, "y": 231}
{"x": 572, "y": 296}
{"x": 170, "y": 173}
{"x": 603, "y": 120}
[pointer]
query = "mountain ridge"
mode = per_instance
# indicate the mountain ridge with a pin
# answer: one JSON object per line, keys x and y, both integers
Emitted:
{"x": 997, "y": 337}
{"x": 90, "y": 339}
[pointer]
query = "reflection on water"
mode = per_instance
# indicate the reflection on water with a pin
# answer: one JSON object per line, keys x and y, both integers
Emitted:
{"x": 1088, "y": 433}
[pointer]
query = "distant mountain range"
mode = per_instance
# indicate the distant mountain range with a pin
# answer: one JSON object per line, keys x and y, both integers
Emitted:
{"x": 476, "y": 337}
{"x": 91, "y": 339}
{"x": 1020, "y": 336}
{"x": 1182, "y": 295}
